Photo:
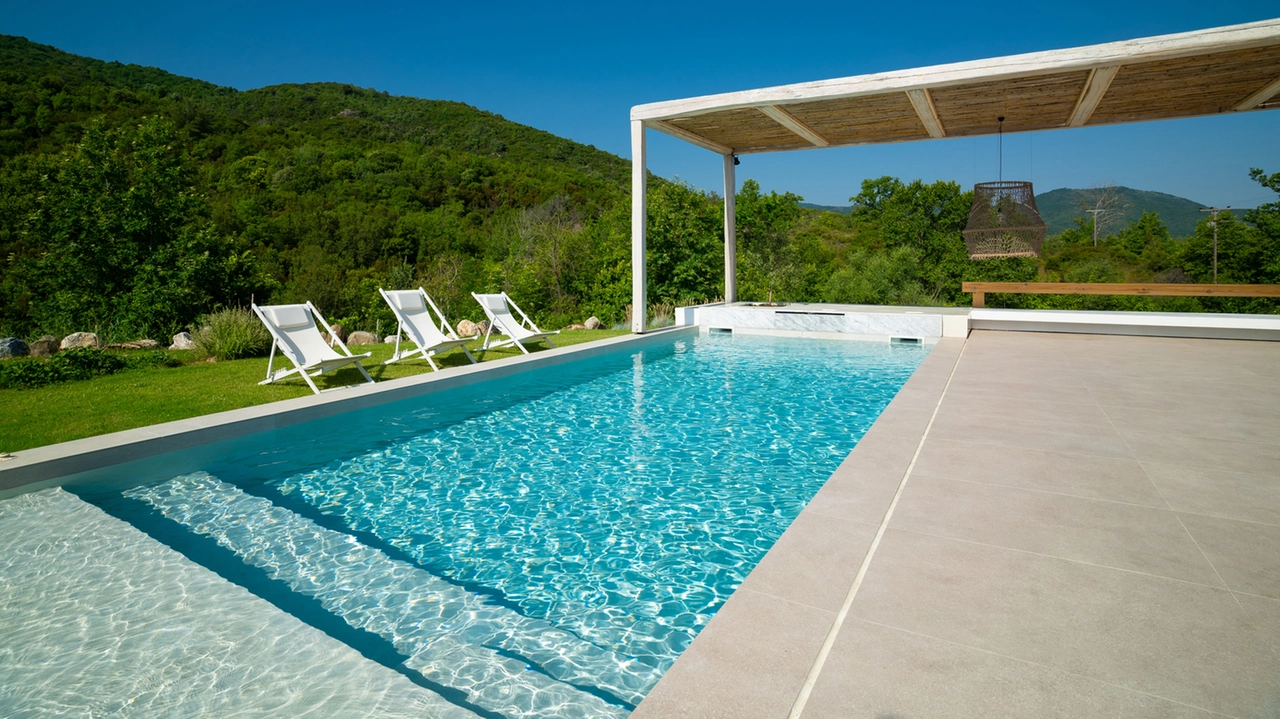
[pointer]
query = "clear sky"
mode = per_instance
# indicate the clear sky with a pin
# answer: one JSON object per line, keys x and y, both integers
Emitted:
{"x": 575, "y": 69}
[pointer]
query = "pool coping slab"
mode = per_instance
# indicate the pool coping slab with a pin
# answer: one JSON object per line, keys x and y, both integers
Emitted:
{"x": 40, "y": 467}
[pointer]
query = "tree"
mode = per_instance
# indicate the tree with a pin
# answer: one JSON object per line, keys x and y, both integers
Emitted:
{"x": 127, "y": 248}
{"x": 765, "y": 224}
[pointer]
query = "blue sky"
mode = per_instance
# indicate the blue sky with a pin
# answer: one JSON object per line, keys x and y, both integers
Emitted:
{"x": 576, "y": 69}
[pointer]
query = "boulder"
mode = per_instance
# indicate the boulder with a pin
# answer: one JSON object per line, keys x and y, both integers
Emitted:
{"x": 135, "y": 345}
{"x": 80, "y": 339}
{"x": 482, "y": 327}
{"x": 362, "y": 338}
{"x": 467, "y": 328}
{"x": 182, "y": 341}
{"x": 574, "y": 327}
{"x": 592, "y": 323}
{"x": 340, "y": 332}
{"x": 13, "y": 347}
{"x": 391, "y": 339}
{"x": 46, "y": 346}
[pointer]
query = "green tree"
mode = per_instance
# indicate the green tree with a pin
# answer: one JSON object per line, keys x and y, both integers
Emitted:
{"x": 765, "y": 225}
{"x": 126, "y": 245}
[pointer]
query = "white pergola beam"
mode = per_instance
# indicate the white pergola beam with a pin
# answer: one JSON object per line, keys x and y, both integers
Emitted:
{"x": 690, "y": 137}
{"x": 1163, "y": 47}
{"x": 792, "y": 123}
{"x": 730, "y": 231}
{"x": 1095, "y": 87}
{"x": 639, "y": 208}
{"x": 1271, "y": 90}
{"x": 922, "y": 101}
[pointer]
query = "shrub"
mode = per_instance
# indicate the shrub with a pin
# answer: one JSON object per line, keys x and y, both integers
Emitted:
{"x": 74, "y": 364}
{"x": 231, "y": 334}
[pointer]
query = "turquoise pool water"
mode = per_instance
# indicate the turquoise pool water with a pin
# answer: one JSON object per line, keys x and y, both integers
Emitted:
{"x": 541, "y": 545}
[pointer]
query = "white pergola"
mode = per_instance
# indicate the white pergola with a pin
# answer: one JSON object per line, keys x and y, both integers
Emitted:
{"x": 1204, "y": 72}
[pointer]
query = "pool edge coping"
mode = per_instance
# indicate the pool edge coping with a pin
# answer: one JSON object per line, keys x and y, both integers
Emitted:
{"x": 45, "y": 466}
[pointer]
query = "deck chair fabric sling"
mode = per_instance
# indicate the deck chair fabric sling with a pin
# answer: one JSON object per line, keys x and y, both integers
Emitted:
{"x": 294, "y": 332}
{"x": 411, "y": 310}
{"x": 519, "y": 332}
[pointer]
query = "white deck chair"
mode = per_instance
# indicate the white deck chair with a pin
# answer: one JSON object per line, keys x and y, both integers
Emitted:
{"x": 498, "y": 309}
{"x": 293, "y": 329}
{"x": 410, "y": 309}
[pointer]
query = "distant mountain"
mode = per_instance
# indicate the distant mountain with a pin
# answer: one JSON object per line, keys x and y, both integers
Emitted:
{"x": 842, "y": 209}
{"x": 1061, "y": 207}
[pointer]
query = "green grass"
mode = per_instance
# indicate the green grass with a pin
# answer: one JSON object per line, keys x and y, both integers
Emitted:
{"x": 136, "y": 398}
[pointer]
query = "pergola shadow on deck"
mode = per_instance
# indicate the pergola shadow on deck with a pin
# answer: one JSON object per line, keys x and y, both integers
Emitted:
{"x": 1205, "y": 72}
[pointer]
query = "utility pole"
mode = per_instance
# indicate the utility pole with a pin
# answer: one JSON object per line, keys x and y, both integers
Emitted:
{"x": 1095, "y": 214}
{"x": 1214, "y": 222}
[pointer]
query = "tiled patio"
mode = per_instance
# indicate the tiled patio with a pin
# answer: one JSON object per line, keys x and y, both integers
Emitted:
{"x": 1085, "y": 525}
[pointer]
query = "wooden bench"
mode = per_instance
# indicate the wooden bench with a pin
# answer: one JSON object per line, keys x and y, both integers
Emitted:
{"x": 980, "y": 289}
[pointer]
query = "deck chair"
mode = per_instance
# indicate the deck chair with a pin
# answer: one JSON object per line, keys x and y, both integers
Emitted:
{"x": 410, "y": 309}
{"x": 293, "y": 330}
{"x": 498, "y": 309}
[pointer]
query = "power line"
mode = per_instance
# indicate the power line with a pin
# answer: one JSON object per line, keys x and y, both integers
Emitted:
{"x": 1214, "y": 222}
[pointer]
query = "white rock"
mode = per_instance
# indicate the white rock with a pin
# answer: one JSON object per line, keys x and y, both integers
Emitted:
{"x": 182, "y": 341}
{"x": 592, "y": 323}
{"x": 361, "y": 338}
{"x": 80, "y": 339}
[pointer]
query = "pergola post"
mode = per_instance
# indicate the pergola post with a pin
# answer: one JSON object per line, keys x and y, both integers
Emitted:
{"x": 639, "y": 183}
{"x": 730, "y": 231}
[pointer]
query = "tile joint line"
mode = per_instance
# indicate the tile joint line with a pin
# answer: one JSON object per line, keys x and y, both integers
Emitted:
{"x": 806, "y": 689}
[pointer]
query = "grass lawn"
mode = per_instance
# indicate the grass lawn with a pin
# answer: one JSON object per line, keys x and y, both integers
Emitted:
{"x": 136, "y": 398}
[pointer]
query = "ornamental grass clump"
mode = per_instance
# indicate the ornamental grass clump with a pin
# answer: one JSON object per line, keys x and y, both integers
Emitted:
{"x": 230, "y": 334}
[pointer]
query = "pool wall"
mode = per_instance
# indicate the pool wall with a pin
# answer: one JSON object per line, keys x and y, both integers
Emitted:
{"x": 51, "y": 465}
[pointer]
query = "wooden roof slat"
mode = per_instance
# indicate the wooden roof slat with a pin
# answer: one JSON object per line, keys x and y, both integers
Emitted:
{"x": 787, "y": 120}
{"x": 1094, "y": 89}
{"x": 922, "y": 101}
{"x": 1261, "y": 96}
{"x": 689, "y": 137}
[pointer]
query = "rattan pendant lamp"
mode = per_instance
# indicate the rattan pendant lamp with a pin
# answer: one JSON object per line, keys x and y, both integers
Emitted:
{"x": 1004, "y": 221}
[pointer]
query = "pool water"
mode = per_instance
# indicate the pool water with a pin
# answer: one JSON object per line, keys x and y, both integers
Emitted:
{"x": 546, "y": 544}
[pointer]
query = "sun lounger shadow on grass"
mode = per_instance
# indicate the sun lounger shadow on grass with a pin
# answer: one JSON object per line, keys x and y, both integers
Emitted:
{"x": 294, "y": 332}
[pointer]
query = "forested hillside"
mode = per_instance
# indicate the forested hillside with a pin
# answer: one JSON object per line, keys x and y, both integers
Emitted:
{"x": 133, "y": 201}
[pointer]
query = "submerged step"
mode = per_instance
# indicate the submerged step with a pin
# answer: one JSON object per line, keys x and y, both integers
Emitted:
{"x": 450, "y": 633}
{"x": 100, "y": 619}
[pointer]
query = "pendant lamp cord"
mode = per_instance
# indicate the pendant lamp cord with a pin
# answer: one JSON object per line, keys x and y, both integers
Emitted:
{"x": 1001, "y": 146}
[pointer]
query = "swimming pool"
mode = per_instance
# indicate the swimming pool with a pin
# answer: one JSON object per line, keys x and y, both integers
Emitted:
{"x": 542, "y": 545}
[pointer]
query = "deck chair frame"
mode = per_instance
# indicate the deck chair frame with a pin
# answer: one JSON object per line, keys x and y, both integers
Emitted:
{"x": 427, "y": 351}
{"x": 327, "y": 364}
{"x": 534, "y": 333}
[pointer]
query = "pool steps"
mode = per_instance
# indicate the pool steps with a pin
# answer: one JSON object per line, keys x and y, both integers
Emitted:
{"x": 452, "y": 636}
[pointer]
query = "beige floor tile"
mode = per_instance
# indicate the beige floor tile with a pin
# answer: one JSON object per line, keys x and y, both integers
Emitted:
{"x": 1265, "y": 614}
{"x": 1116, "y": 479}
{"x": 814, "y": 561}
{"x": 750, "y": 661}
{"x": 1235, "y": 495}
{"x": 1204, "y": 453}
{"x": 878, "y": 671}
{"x": 962, "y": 403}
{"x": 1097, "y": 440}
{"x": 1247, "y": 555}
{"x": 1227, "y": 425}
{"x": 1125, "y": 536}
{"x": 1185, "y": 642}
